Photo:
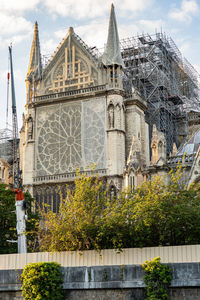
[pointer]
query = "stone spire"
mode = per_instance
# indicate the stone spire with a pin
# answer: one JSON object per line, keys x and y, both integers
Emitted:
{"x": 35, "y": 65}
{"x": 134, "y": 154}
{"x": 112, "y": 53}
{"x": 158, "y": 145}
{"x": 174, "y": 150}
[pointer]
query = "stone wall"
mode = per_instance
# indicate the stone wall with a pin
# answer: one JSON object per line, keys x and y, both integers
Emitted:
{"x": 110, "y": 283}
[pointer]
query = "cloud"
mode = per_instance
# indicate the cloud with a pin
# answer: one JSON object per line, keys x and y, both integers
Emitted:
{"x": 185, "y": 48}
{"x": 13, "y": 29}
{"x": 189, "y": 9}
{"x": 151, "y": 25}
{"x": 197, "y": 68}
{"x": 10, "y": 24}
{"x": 133, "y": 6}
{"x": 48, "y": 47}
{"x": 17, "y": 6}
{"x": 95, "y": 33}
{"x": 93, "y": 8}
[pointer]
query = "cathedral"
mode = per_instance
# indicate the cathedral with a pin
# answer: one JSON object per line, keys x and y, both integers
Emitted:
{"x": 83, "y": 113}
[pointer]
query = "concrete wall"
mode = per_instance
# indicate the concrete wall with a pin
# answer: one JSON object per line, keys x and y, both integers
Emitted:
{"x": 111, "y": 282}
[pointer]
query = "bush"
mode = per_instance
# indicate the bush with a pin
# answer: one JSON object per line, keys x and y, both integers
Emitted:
{"x": 42, "y": 281}
{"x": 157, "y": 278}
{"x": 154, "y": 214}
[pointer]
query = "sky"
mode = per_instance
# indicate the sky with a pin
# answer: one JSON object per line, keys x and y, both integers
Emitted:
{"x": 179, "y": 19}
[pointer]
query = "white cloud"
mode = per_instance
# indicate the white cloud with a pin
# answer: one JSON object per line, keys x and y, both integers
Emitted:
{"x": 151, "y": 25}
{"x": 10, "y": 6}
{"x": 95, "y": 33}
{"x": 13, "y": 29}
{"x": 93, "y": 8}
{"x": 197, "y": 68}
{"x": 48, "y": 46}
{"x": 10, "y": 24}
{"x": 133, "y": 6}
{"x": 189, "y": 8}
{"x": 185, "y": 48}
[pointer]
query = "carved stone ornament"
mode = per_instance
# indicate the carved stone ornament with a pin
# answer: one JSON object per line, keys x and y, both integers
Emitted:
{"x": 111, "y": 116}
{"x": 30, "y": 127}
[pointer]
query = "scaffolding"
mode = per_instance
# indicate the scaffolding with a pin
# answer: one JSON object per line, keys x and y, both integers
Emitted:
{"x": 155, "y": 67}
{"x": 6, "y": 144}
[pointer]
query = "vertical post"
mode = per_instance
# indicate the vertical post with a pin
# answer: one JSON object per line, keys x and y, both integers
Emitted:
{"x": 19, "y": 197}
{"x": 21, "y": 226}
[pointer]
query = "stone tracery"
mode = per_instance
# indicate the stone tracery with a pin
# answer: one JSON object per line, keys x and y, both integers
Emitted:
{"x": 72, "y": 136}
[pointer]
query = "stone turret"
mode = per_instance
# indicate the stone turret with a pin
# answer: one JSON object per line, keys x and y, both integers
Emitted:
{"x": 112, "y": 59}
{"x": 174, "y": 150}
{"x": 113, "y": 64}
{"x": 158, "y": 146}
{"x": 34, "y": 73}
{"x": 27, "y": 135}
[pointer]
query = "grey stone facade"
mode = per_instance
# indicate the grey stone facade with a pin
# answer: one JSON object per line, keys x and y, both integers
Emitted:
{"x": 78, "y": 114}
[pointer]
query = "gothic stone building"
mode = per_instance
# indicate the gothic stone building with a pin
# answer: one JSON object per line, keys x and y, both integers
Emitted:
{"x": 77, "y": 116}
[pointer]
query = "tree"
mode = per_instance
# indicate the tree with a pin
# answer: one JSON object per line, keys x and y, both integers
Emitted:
{"x": 165, "y": 214}
{"x": 76, "y": 226}
{"x": 153, "y": 214}
{"x": 8, "y": 221}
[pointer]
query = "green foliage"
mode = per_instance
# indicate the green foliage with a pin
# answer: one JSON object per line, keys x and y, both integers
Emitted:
{"x": 165, "y": 214}
{"x": 76, "y": 227}
{"x": 153, "y": 214}
{"x": 42, "y": 281}
{"x": 8, "y": 221}
{"x": 157, "y": 279}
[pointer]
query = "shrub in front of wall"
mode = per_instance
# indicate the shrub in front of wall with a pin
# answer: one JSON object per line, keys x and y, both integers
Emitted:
{"x": 42, "y": 281}
{"x": 157, "y": 279}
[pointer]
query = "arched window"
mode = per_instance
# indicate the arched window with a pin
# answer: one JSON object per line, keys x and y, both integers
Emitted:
{"x": 153, "y": 150}
{"x": 112, "y": 192}
{"x": 132, "y": 182}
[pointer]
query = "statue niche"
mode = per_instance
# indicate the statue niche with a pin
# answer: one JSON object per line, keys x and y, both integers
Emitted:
{"x": 118, "y": 116}
{"x": 30, "y": 127}
{"x": 111, "y": 116}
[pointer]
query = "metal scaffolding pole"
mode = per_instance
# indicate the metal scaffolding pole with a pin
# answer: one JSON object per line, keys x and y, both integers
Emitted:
{"x": 155, "y": 67}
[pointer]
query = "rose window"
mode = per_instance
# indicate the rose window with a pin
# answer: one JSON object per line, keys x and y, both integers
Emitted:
{"x": 71, "y": 137}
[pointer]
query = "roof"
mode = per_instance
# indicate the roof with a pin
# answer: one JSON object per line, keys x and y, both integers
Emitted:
{"x": 192, "y": 145}
{"x": 112, "y": 53}
{"x": 35, "y": 65}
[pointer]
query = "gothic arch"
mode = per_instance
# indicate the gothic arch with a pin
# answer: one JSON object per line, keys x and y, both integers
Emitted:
{"x": 131, "y": 179}
{"x": 112, "y": 191}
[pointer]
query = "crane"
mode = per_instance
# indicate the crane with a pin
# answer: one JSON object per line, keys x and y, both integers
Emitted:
{"x": 17, "y": 180}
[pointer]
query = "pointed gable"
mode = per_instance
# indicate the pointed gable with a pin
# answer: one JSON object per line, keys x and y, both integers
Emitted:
{"x": 73, "y": 66}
